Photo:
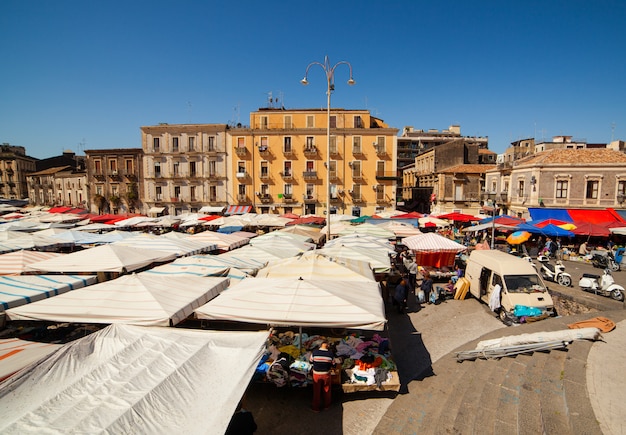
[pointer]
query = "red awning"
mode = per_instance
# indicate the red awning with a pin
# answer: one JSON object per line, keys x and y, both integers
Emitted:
{"x": 60, "y": 209}
{"x": 238, "y": 209}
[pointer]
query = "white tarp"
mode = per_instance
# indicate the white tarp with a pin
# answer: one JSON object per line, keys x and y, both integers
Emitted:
{"x": 540, "y": 337}
{"x": 300, "y": 302}
{"x": 318, "y": 267}
{"x": 130, "y": 379}
{"x": 20, "y": 290}
{"x": 105, "y": 258}
{"x": 14, "y": 263}
{"x": 378, "y": 259}
{"x": 137, "y": 299}
{"x": 179, "y": 247}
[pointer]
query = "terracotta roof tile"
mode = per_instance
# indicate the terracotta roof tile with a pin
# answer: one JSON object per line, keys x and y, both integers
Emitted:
{"x": 571, "y": 156}
{"x": 468, "y": 169}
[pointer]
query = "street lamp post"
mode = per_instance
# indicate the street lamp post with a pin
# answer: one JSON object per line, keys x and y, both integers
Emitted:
{"x": 330, "y": 81}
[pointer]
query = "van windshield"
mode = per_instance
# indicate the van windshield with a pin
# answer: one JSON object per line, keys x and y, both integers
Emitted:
{"x": 523, "y": 284}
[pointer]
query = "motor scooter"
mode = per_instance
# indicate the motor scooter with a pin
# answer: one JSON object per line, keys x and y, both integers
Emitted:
{"x": 604, "y": 259}
{"x": 554, "y": 272}
{"x": 604, "y": 285}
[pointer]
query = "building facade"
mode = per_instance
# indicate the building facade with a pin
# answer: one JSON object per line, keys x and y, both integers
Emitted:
{"x": 114, "y": 179}
{"x": 185, "y": 168}
{"x": 58, "y": 186}
{"x": 559, "y": 178}
{"x": 283, "y": 162}
{"x": 15, "y": 166}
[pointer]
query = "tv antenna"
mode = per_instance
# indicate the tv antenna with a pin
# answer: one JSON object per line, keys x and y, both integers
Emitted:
{"x": 612, "y": 130}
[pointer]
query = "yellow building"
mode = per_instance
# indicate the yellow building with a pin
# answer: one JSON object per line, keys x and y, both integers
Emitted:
{"x": 282, "y": 162}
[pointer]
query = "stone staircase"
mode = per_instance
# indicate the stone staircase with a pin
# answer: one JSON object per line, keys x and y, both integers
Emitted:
{"x": 542, "y": 392}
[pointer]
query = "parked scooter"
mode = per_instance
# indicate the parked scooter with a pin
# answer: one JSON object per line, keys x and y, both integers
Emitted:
{"x": 604, "y": 260}
{"x": 554, "y": 272}
{"x": 604, "y": 285}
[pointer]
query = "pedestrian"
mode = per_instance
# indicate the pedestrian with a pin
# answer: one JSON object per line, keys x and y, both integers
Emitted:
{"x": 582, "y": 249}
{"x": 400, "y": 296}
{"x": 427, "y": 288}
{"x": 412, "y": 268}
{"x": 242, "y": 422}
{"x": 322, "y": 361}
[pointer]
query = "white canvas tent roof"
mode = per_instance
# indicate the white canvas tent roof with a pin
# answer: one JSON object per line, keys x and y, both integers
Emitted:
{"x": 100, "y": 384}
{"x": 137, "y": 299}
{"x": 432, "y": 242}
{"x": 105, "y": 258}
{"x": 179, "y": 247}
{"x": 16, "y": 354}
{"x": 14, "y": 263}
{"x": 20, "y": 290}
{"x": 299, "y": 302}
{"x": 317, "y": 267}
{"x": 377, "y": 258}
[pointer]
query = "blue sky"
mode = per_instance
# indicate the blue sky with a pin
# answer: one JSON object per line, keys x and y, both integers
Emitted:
{"x": 88, "y": 74}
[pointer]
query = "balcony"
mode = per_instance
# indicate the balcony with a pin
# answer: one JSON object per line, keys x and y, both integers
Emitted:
{"x": 309, "y": 198}
{"x": 241, "y": 151}
{"x": 241, "y": 174}
{"x": 288, "y": 151}
{"x": 387, "y": 175}
{"x": 310, "y": 150}
{"x": 99, "y": 176}
{"x": 265, "y": 198}
{"x": 334, "y": 151}
{"x": 288, "y": 197}
{"x": 264, "y": 175}
{"x": 309, "y": 175}
{"x": 175, "y": 199}
{"x": 357, "y": 150}
{"x": 131, "y": 175}
{"x": 333, "y": 175}
{"x": 287, "y": 175}
{"x": 265, "y": 151}
{"x": 242, "y": 198}
{"x": 115, "y": 176}
{"x": 357, "y": 175}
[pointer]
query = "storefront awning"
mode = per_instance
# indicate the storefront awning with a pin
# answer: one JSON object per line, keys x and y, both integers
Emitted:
{"x": 238, "y": 209}
{"x": 596, "y": 216}
{"x": 211, "y": 209}
{"x": 156, "y": 210}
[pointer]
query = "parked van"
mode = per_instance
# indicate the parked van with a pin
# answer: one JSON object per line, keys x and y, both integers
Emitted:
{"x": 519, "y": 282}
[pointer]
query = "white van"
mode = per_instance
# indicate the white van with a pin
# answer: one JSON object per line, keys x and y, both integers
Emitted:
{"x": 519, "y": 281}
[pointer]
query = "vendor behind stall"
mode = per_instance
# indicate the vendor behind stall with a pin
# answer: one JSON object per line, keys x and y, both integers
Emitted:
{"x": 322, "y": 360}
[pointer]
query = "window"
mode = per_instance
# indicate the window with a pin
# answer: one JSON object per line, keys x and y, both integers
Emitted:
{"x": 356, "y": 192}
{"x": 561, "y": 189}
{"x": 176, "y": 169}
{"x": 242, "y": 190}
{"x": 333, "y": 121}
{"x": 177, "y": 192}
{"x": 310, "y": 121}
{"x": 520, "y": 188}
{"x": 356, "y": 145}
{"x": 592, "y": 189}
{"x": 310, "y": 143}
{"x": 287, "y": 168}
{"x": 333, "y": 169}
{"x": 621, "y": 188}
{"x": 192, "y": 169}
{"x": 192, "y": 143}
{"x": 310, "y": 191}
{"x": 129, "y": 167}
{"x": 192, "y": 193}
{"x": 213, "y": 168}
{"x": 358, "y": 122}
{"x": 99, "y": 190}
{"x": 380, "y": 168}
{"x": 241, "y": 142}
{"x": 380, "y": 192}
{"x": 265, "y": 189}
{"x": 175, "y": 144}
{"x": 264, "y": 144}
{"x": 97, "y": 166}
{"x": 212, "y": 143}
{"x": 310, "y": 166}
{"x": 287, "y": 145}
{"x": 212, "y": 193}
{"x": 287, "y": 122}
{"x": 113, "y": 165}
{"x": 333, "y": 145}
{"x": 157, "y": 170}
{"x": 356, "y": 169}
{"x": 264, "y": 122}
{"x": 157, "y": 193}
{"x": 156, "y": 144}
{"x": 288, "y": 189}
{"x": 265, "y": 169}
{"x": 380, "y": 141}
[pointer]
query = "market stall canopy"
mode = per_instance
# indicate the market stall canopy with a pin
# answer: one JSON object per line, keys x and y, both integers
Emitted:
{"x": 238, "y": 209}
{"x": 433, "y": 221}
{"x": 367, "y": 229}
{"x": 549, "y": 230}
{"x": 458, "y": 217}
{"x": 411, "y": 215}
{"x": 518, "y": 237}
{"x": 300, "y": 302}
{"x": 20, "y": 290}
{"x": 137, "y": 299}
{"x": 104, "y": 258}
{"x": 378, "y": 259}
{"x": 401, "y": 229}
{"x": 487, "y": 226}
{"x": 15, "y": 354}
{"x": 178, "y": 247}
{"x": 362, "y": 241}
{"x": 312, "y": 232}
{"x": 219, "y": 262}
{"x": 262, "y": 253}
{"x": 274, "y": 242}
{"x": 433, "y": 250}
{"x": 224, "y": 242}
{"x": 212, "y": 209}
{"x": 99, "y": 383}
{"x": 596, "y": 216}
{"x": 14, "y": 263}
{"x": 318, "y": 267}
{"x": 590, "y": 229}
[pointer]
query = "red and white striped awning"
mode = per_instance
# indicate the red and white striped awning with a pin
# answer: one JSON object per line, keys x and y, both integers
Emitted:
{"x": 238, "y": 209}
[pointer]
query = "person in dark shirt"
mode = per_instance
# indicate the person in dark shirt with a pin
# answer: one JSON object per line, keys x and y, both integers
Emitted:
{"x": 242, "y": 422}
{"x": 322, "y": 360}
{"x": 400, "y": 295}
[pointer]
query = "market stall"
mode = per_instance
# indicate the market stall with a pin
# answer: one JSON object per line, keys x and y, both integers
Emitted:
{"x": 323, "y": 309}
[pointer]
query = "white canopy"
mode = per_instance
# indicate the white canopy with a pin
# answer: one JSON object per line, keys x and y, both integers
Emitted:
{"x": 293, "y": 302}
{"x": 137, "y": 299}
{"x": 432, "y": 242}
{"x": 378, "y": 259}
{"x": 361, "y": 241}
{"x": 25, "y": 289}
{"x": 128, "y": 378}
{"x": 219, "y": 262}
{"x": 367, "y": 229}
{"x": 105, "y": 258}
{"x": 14, "y": 263}
{"x": 317, "y": 267}
{"x": 224, "y": 242}
{"x": 178, "y": 247}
